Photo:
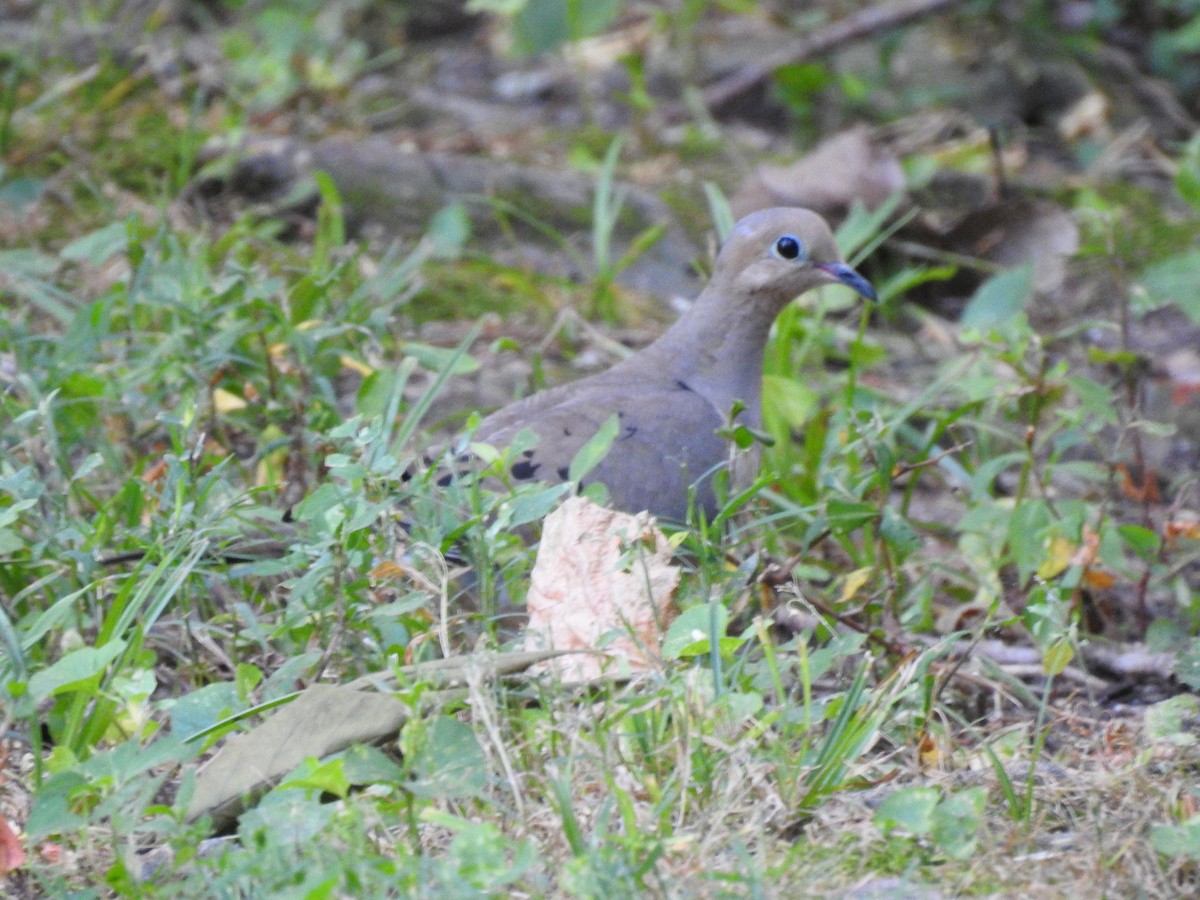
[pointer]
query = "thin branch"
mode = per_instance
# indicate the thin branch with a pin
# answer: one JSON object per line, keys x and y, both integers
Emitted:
{"x": 861, "y": 24}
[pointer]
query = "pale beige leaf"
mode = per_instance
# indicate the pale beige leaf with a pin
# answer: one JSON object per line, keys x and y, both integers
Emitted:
{"x": 325, "y": 719}
{"x": 603, "y": 582}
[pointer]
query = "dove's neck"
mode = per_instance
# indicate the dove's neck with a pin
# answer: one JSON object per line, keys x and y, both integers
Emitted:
{"x": 716, "y": 349}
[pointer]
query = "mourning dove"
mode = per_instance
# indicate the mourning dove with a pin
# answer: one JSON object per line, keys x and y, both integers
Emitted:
{"x": 673, "y": 397}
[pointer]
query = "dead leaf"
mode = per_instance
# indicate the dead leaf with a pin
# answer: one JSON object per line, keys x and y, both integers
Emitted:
{"x": 854, "y": 583}
{"x": 226, "y": 401}
{"x": 1146, "y": 492}
{"x": 354, "y": 365}
{"x": 1059, "y": 552}
{"x": 1182, "y": 371}
{"x": 962, "y": 617}
{"x": 1185, "y": 524}
{"x": 1098, "y": 579}
{"x": 838, "y": 171}
{"x": 1018, "y": 230}
{"x": 1087, "y": 116}
{"x": 50, "y": 853}
{"x": 12, "y": 855}
{"x": 603, "y": 581}
{"x": 326, "y": 719}
{"x": 388, "y": 571}
{"x": 929, "y": 752}
{"x": 1120, "y": 741}
{"x": 155, "y": 472}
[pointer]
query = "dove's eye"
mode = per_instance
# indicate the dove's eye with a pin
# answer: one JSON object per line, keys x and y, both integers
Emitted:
{"x": 789, "y": 247}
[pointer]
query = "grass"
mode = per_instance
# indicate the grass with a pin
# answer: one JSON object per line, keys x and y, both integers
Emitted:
{"x": 167, "y": 387}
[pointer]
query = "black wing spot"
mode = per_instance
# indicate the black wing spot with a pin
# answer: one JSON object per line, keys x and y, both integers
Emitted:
{"x": 630, "y": 431}
{"x": 566, "y": 432}
{"x": 525, "y": 471}
{"x": 563, "y": 473}
{"x": 528, "y": 454}
{"x": 683, "y": 386}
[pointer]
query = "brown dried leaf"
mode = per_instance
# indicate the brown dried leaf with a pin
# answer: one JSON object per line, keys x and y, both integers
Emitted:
{"x": 603, "y": 581}
{"x": 12, "y": 855}
{"x": 1181, "y": 369}
{"x": 1185, "y": 524}
{"x": 1098, "y": 579}
{"x": 1146, "y": 492}
{"x": 1086, "y": 554}
{"x": 838, "y": 171}
{"x": 1018, "y": 230}
{"x": 961, "y": 617}
{"x": 929, "y": 752}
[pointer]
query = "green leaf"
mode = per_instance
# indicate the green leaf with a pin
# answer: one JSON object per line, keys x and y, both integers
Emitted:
{"x": 847, "y": 515}
{"x": 1141, "y": 541}
{"x": 1167, "y": 721}
{"x": 328, "y": 777}
{"x": 290, "y": 818}
{"x": 898, "y": 533}
{"x": 691, "y": 634}
{"x": 1058, "y": 656}
{"x": 78, "y": 392}
{"x": 719, "y": 210}
{"x": 744, "y": 437}
{"x": 532, "y": 506}
{"x": 1187, "y": 665}
{"x": 437, "y": 358}
{"x": 1187, "y": 182}
{"x": 865, "y": 354}
{"x": 27, "y": 263}
{"x": 985, "y": 476}
{"x": 378, "y": 390}
{"x": 800, "y": 83}
{"x": 446, "y": 760}
{"x": 202, "y": 708}
{"x": 542, "y": 25}
{"x": 53, "y": 812}
{"x": 325, "y": 506}
{"x": 1113, "y": 356}
{"x": 1175, "y": 280}
{"x": 21, "y": 193}
{"x": 1027, "y": 534}
{"x": 10, "y": 514}
{"x": 956, "y": 822}
{"x": 74, "y": 670}
{"x": 99, "y": 246}
{"x": 787, "y": 404}
{"x": 1177, "y": 840}
{"x": 449, "y": 231}
{"x": 907, "y": 279}
{"x": 910, "y": 809}
{"x": 331, "y": 225}
{"x": 999, "y": 299}
{"x": 590, "y": 454}
{"x": 368, "y": 765}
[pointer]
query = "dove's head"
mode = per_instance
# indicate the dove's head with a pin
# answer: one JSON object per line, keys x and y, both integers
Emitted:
{"x": 774, "y": 255}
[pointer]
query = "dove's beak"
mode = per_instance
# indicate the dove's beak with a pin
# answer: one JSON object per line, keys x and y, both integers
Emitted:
{"x": 843, "y": 274}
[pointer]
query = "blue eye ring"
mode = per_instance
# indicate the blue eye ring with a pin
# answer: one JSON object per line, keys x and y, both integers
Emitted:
{"x": 789, "y": 247}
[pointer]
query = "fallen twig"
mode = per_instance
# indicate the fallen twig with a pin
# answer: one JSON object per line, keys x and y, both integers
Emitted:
{"x": 876, "y": 18}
